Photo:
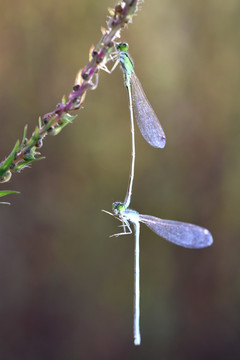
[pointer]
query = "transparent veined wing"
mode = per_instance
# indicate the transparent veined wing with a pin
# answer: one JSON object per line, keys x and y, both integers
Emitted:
{"x": 146, "y": 118}
{"x": 179, "y": 233}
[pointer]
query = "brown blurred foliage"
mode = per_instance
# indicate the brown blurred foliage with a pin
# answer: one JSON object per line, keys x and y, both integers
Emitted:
{"x": 66, "y": 287}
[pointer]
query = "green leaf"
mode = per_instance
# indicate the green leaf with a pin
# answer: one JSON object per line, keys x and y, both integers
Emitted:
{"x": 68, "y": 118}
{"x": 24, "y": 163}
{"x": 24, "y": 136}
{"x": 5, "y": 165}
{"x": 32, "y": 141}
{"x": 65, "y": 119}
{"x": 39, "y": 122}
{"x": 64, "y": 100}
{"x": 7, "y": 192}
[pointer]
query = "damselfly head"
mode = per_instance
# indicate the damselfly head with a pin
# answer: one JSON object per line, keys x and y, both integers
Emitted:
{"x": 122, "y": 47}
{"x": 118, "y": 207}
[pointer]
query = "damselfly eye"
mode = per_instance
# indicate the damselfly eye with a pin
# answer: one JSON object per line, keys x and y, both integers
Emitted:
{"x": 115, "y": 205}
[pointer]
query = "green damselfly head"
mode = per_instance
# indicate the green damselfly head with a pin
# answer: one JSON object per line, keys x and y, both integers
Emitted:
{"x": 118, "y": 207}
{"x": 122, "y": 47}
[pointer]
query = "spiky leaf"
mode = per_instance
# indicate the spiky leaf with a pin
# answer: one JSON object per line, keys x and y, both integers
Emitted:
{"x": 7, "y": 192}
{"x": 5, "y": 165}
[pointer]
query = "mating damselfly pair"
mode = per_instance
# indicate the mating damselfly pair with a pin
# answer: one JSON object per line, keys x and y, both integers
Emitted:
{"x": 180, "y": 233}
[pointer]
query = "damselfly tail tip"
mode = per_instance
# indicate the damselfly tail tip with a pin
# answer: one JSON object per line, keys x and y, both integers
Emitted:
{"x": 137, "y": 341}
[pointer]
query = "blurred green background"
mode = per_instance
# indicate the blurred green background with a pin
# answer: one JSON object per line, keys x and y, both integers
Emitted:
{"x": 66, "y": 288}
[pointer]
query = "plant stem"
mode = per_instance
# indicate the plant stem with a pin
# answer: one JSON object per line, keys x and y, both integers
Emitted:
{"x": 87, "y": 79}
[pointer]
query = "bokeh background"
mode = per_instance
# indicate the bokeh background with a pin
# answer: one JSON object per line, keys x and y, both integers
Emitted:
{"x": 66, "y": 288}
